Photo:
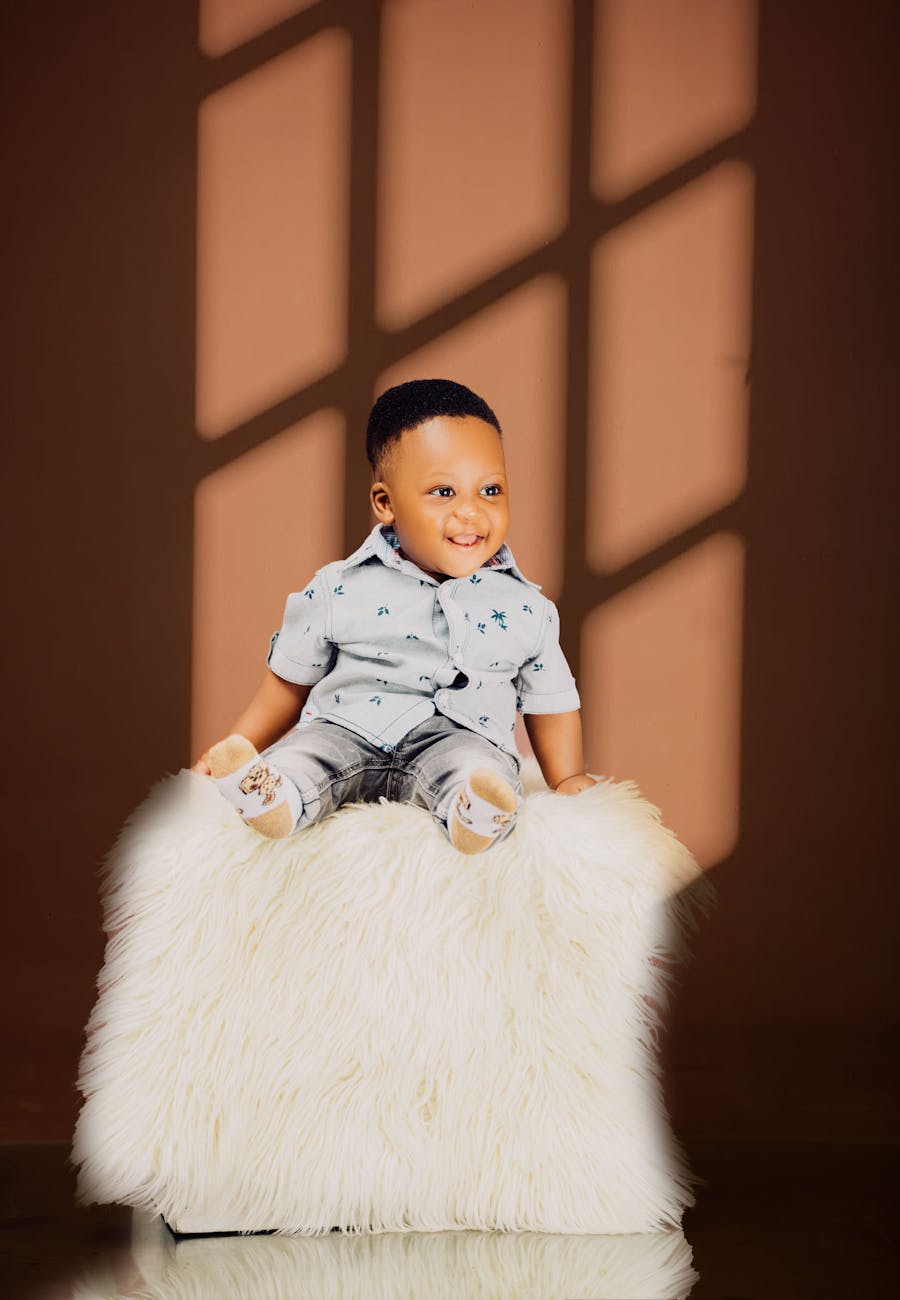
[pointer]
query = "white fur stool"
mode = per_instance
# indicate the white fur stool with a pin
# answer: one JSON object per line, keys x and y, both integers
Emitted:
{"x": 360, "y": 1027}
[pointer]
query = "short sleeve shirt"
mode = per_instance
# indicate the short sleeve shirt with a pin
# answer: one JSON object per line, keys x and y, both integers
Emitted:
{"x": 385, "y": 646}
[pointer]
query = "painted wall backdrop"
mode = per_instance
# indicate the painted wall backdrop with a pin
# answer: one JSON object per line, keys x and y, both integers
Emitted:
{"x": 657, "y": 238}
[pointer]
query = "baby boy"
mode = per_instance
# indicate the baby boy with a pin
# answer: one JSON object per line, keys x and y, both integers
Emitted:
{"x": 398, "y": 671}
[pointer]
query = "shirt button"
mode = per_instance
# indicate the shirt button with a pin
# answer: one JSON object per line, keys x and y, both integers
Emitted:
{"x": 387, "y": 748}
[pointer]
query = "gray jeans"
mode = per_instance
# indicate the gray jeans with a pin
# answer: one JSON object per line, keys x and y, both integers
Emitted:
{"x": 332, "y": 765}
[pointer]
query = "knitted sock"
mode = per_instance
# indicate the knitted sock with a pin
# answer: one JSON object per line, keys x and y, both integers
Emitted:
{"x": 265, "y": 798}
{"x": 481, "y": 809}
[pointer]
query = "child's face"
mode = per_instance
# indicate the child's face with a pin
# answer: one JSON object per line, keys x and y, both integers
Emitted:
{"x": 446, "y": 480}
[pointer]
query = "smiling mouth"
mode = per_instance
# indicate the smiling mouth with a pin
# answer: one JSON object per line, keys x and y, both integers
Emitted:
{"x": 466, "y": 540}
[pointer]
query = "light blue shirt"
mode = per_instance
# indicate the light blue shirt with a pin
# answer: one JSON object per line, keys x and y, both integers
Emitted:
{"x": 387, "y": 645}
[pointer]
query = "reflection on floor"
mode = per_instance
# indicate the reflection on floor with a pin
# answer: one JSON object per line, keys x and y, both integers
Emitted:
{"x": 381, "y": 1266}
{"x": 775, "y": 1219}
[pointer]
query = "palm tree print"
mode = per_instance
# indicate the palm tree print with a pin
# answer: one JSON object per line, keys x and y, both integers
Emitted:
{"x": 499, "y": 616}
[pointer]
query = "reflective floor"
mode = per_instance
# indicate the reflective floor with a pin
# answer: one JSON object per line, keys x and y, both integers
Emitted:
{"x": 774, "y": 1219}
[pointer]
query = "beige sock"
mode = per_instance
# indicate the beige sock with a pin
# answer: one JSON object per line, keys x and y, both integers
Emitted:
{"x": 481, "y": 809}
{"x": 265, "y": 798}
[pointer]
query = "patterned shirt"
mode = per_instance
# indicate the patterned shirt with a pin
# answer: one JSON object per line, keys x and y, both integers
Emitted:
{"x": 387, "y": 645}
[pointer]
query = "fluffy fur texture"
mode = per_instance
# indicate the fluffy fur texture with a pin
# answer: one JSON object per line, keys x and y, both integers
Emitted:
{"x": 361, "y": 1027}
{"x": 383, "y": 1266}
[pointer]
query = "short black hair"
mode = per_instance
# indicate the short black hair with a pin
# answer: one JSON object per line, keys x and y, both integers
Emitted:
{"x": 406, "y": 405}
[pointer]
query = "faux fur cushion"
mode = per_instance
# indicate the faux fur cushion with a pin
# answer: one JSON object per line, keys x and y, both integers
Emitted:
{"x": 361, "y": 1027}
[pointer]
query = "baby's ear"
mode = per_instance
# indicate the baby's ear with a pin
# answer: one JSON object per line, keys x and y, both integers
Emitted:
{"x": 381, "y": 503}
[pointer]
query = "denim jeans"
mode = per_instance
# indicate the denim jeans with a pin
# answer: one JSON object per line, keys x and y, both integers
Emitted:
{"x": 332, "y": 765}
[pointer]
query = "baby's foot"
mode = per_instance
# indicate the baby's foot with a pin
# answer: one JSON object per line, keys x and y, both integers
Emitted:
{"x": 484, "y": 805}
{"x": 266, "y": 800}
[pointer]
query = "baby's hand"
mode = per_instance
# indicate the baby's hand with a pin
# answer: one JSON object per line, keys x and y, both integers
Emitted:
{"x": 573, "y": 784}
{"x": 202, "y": 766}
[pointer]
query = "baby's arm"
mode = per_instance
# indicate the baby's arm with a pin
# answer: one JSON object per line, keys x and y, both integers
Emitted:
{"x": 274, "y": 709}
{"x": 557, "y": 744}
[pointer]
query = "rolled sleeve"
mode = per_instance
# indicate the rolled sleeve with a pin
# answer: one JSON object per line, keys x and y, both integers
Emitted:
{"x": 301, "y": 650}
{"x": 545, "y": 683}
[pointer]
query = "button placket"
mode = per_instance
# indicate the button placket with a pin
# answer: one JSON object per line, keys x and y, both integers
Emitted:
{"x": 441, "y": 628}
{"x": 455, "y": 621}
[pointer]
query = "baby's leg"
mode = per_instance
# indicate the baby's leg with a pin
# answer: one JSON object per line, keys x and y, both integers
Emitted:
{"x": 311, "y": 771}
{"x": 471, "y": 787}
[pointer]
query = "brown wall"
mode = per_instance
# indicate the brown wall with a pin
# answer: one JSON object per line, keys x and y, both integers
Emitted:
{"x": 673, "y": 281}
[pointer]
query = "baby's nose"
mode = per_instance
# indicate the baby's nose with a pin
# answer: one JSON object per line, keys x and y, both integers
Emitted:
{"x": 469, "y": 510}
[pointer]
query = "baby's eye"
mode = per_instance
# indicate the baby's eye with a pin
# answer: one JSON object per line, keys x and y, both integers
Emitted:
{"x": 494, "y": 488}
{"x": 440, "y": 489}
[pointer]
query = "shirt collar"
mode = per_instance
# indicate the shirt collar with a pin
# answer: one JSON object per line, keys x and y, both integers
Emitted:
{"x": 382, "y": 542}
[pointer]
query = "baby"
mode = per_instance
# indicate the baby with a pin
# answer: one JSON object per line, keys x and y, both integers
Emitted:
{"x": 398, "y": 670}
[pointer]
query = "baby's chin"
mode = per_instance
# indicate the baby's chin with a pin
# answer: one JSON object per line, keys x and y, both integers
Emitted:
{"x": 456, "y": 561}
